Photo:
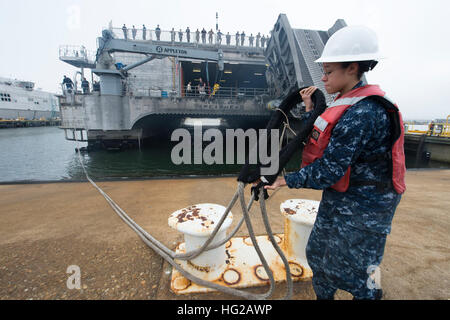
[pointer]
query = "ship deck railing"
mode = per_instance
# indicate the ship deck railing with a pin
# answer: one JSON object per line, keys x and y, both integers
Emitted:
{"x": 75, "y": 97}
{"x": 223, "y": 92}
{"x": 71, "y": 97}
{"x": 170, "y": 37}
{"x": 207, "y": 92}
{"x": 77, "y": 53}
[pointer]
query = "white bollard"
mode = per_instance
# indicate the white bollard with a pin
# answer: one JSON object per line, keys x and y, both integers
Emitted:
{"x": 300, "y": 215}
{"x": 197, "y": 223}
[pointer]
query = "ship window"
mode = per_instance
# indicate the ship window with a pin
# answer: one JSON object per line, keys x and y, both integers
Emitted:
{"x": 1, "y": 94}
{"x": 3, "y": 99}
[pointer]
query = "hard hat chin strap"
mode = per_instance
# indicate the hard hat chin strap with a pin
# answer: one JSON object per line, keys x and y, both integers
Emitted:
{"x": 372, "y": 65}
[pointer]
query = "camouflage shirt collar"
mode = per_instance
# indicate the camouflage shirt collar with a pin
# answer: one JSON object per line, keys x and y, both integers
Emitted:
{"x": 358, "y": 85}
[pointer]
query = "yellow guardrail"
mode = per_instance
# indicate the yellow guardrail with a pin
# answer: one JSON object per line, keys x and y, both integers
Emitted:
{"x": 409, "y": 128}
{"x": 439, "y": 129}
{"x": 434, "y": 129}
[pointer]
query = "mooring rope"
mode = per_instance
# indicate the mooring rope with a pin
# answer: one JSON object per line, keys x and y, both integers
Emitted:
{"x": 170, "y": 255}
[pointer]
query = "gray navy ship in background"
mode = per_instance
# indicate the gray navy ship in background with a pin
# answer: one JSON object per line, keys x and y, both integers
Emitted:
{"x": 19, "y": 100}
{"x": 153, "y": 81}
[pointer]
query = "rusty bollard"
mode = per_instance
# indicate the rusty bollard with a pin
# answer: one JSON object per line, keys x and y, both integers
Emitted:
{"x": 300, "y": 215}
{"x": 197, "y": 223}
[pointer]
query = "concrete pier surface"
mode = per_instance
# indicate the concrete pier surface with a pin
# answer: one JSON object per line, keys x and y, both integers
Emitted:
{"x": 45, "y": 228}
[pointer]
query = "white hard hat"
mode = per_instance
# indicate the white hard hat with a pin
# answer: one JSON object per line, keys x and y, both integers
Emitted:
{"x": 352, "y": 43}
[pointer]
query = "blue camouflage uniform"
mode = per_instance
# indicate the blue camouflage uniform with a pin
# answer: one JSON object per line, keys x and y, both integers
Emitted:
{"x": 350, "y": 231}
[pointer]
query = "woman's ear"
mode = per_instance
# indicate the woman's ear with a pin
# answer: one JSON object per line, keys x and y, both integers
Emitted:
{"x": 353, "y": 69}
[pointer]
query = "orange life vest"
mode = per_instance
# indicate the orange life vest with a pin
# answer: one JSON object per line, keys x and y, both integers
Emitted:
{"x": 323, "y": 128}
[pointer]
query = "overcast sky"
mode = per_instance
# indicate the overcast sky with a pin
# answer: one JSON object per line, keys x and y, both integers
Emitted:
{"x": 413, "y": 36}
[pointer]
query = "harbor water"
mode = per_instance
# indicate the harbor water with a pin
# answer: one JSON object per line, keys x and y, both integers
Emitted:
{"x": 43, "y": 154}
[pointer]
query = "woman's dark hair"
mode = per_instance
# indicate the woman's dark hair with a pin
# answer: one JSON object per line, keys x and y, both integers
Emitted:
{"x": 363, "y": 66}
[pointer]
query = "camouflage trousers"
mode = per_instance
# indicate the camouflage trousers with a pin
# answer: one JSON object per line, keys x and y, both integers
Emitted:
{"x": 341, "y": 256}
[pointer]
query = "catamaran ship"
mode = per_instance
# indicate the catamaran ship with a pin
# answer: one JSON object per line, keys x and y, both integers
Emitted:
{"x": 20, "y": 101}
{"x": 152, "y": 81}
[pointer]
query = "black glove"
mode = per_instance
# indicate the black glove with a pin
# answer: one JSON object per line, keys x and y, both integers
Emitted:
{"x": 255, "y": 191}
